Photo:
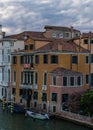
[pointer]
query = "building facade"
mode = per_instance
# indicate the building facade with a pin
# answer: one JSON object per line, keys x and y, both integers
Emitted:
{"x": 61, "y": 32}
{"x": 86, "y": 41}
{"x": 31, "y": 69}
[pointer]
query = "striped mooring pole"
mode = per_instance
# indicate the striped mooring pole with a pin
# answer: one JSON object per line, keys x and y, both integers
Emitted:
{"x": 4, "y": 99}
{"x": 12, "y": 106}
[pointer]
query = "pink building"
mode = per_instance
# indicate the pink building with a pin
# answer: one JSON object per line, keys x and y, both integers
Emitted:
{"x": 64, "y": 83}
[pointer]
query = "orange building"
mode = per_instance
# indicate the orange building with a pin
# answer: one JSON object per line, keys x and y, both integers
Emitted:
{"x": 86, "y": 41}
{"x": 31, "y": 69}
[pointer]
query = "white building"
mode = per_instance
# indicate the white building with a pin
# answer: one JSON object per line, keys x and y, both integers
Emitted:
{"x": 8, "y": 44}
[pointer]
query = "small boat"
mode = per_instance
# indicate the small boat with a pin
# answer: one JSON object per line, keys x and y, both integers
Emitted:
{"x": 37, "y": 115}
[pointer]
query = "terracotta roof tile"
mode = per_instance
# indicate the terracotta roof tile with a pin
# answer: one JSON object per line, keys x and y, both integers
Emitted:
{"x": 29, "y": 34}
{"x": 65, "y": 46}
{"x": 61, "y": 71}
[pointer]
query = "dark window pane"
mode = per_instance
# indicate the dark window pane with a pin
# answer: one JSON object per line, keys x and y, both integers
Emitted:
{"x": 54, "y": 80}
{"x": 54, "y": 96}
{"x": 74, "y": 59}
{"x": 85, "y": 41}
{"x": 35, "y": 96}
{"x": 91, "y": 58}
{"x": 26, "y": 47}
{"x": 37, "y": 59}
{"x": 72, "y": 81}
{"x": 64, "y": 97}
{"x": 14, "y": 59}
{"x": 54, "y": 59}
{"x": 31, "y": 46}
{"x": 45, "y": 59}
{"x": 87, "y": 79}
{"x": 87, "y": 59}
{"x": 44, "y": 97}
{"x": 91, "y": 40}
{"x": 64, "y": 81}
{"x": 79, "y": 80}
{"x": 21, "y": 59}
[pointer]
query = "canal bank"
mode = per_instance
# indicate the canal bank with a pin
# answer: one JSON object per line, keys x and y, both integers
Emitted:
{"x": 75, "y": 118}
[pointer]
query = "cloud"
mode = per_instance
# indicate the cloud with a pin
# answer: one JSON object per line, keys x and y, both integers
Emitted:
{"x": 19, "y": 15}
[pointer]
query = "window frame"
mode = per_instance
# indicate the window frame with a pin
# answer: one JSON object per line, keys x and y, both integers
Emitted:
{"x": 54, "y": 59}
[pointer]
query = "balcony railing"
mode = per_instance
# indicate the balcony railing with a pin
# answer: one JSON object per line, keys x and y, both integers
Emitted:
{"x": 26, "y": 86}
{"x": 28, "y": 66}
{"x": 44, "y": 87}
{"x": 4, "y": 84}
{"x": 13, "y": 83}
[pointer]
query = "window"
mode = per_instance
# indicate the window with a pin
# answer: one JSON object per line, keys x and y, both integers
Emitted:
{"x": 21, "y": 59}
{"x": 54, "y": 108}
{"x": 44, "y": 97}
{"x": 32, "y": 76}
{"x": 78, "y": 80}
{"x": 35, "y": 96}
{"x": 53, "y": 34}
{"x": 45, "y": 78}
{"x": 85, "y": 41}
{"x": 54, "y": 97}
{"x": 87, "y": 59}
{"x": 64, "y": 97}
{"x": 21, "y": 77}
{"x": 61, "y": 35}
{"x": 66, "y": 34}
{"x": 8, "y": 58}
{"x": 64, "y": 81}
{"x": 9, "y": 75}
{"x": 36, "y": 78}
{"x": 13, "y": 90}
{"x": 2, "y": 91}
{"x": 91, "y": 58}
{"x": 44, "y": 106}
{"x": 21, "y": 100}
{"x": 91, "y": 40}
{"x": 31, "y": 46}
{"x": 26, "y": 47}
{"x": 11, "y": 43}
{"x": 14, "y": 76}
{"x": 91, "y": 80}
{"x": 54, "y": 80}
{"x": 71, "y": 81}
{"x": 74, "y": 59}
{"x": 45, "y": 59}
{"x": 54, "y": 59}
{"x": 87, "y": 79}
{"x": 35, "y": 104}
{"x": 37, "y": 59}
{"x": 21, "y": 92}
{"x": 14, "y": 59}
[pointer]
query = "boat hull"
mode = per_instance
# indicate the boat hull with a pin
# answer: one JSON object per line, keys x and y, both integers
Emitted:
{"x": 37, "y": 115}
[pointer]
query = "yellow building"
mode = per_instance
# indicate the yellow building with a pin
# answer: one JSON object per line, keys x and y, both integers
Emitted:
{"x": 32, "y": 66}
{"x": 86, "y": 41}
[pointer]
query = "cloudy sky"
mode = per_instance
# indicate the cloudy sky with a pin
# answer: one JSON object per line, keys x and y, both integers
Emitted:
{"x": 32, "y": 15}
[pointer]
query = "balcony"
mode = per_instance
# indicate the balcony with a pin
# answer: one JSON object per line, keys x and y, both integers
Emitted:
{"x": 35, "y": 86}
{"x": 28, "y": 66}
{"x": 4, "y": 84}
{"x": 44, "y": 87}
{"x": 13, "y": 83}
{"x": 26, "y": 86}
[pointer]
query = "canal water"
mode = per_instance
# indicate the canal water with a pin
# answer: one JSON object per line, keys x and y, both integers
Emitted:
{"x": 19, "y": 122}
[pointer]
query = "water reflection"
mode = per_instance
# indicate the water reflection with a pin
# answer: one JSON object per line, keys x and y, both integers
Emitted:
{"x": 19, "y": 122}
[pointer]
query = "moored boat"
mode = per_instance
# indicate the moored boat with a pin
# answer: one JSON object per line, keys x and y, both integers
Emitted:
{"x": 37, "y": 115}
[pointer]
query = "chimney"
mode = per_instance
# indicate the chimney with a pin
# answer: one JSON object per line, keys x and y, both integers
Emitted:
{"x": 0, "y": 29}
{"x": 1, "y": 36}
{"x": 60, "y": 47}
{"x": 3, "y": 33}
